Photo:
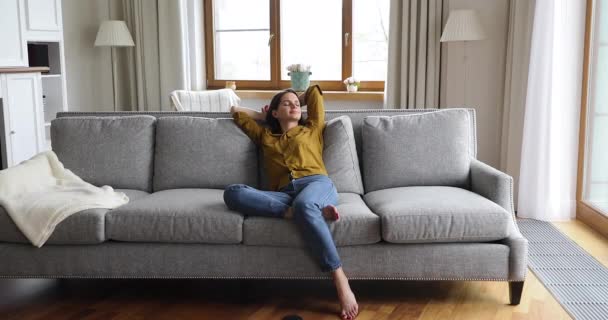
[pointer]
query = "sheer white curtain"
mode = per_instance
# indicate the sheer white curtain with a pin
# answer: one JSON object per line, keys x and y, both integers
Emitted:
{"x": 547, "y": 183}
{"x": 168, "y": 52}
{"x": 180, "y": 46}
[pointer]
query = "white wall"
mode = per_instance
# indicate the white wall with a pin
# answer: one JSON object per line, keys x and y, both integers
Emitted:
{"x": 89, "y": 73}
{"x": 485, "y": 73}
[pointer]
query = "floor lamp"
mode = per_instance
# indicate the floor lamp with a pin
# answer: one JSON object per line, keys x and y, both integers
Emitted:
{"x": 463, "y": 25}
{"x": 114, "y": 33}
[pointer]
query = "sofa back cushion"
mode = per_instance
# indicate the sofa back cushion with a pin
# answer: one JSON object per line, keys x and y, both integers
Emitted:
{"x": 194, "y": 152}
{"x": 356, "y": 116}
{"x": 430, "y": 149}
{"x": 340, "y": 155}
{"x": 114, "y": 151}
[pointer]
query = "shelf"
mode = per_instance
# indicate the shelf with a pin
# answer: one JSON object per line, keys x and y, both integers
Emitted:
{"x": 51, "y": 76}
{"x": 24, "y": 69}
{"x": 45, "y": 53}
{"x": 328, "y": 95}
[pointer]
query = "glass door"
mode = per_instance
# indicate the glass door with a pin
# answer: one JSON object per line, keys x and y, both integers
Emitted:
{"x": 595, "y": 126}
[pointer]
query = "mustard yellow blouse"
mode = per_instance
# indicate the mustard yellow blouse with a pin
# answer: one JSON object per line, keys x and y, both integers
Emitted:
{"x": 299, "y": 151}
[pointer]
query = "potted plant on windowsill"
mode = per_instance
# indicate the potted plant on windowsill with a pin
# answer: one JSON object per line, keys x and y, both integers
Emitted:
{"x": 300, "y": 76}
{"x": 352, "y": 84}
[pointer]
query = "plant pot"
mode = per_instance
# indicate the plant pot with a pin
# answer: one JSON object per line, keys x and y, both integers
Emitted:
{"x": 300, "y": 80}
{"x": 352, "y": 88}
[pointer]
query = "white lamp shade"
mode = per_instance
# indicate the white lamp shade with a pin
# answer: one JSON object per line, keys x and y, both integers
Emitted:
{"x": 114, "y": 33}
{"x": 463, "y": 25}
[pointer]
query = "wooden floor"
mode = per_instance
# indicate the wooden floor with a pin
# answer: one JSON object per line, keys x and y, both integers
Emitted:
{"x": 257, "y": 300}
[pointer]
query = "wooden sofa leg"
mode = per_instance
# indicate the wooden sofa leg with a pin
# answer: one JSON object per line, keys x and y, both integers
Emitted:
{"x": 515, "y": 290}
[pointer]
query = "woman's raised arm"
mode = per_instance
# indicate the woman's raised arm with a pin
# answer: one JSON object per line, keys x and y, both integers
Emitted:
{"x": 256, "y": 115}
{"x": 313, "y": 99}
{"x": 245, "y": 119}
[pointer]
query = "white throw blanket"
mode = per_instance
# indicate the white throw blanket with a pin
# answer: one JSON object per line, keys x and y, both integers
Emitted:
{"x": 40, "y": 193}
{"x": 210, "y": 100}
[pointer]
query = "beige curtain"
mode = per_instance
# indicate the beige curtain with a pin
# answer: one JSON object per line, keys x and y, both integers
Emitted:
{"x": 414, "y": 54}
{"x": 140, "y": 75}
{"x": 521, "y": 17}
{"x": 167, "y": 55}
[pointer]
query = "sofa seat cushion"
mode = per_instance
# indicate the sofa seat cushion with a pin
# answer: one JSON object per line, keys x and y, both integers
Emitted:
{"x": 84, "y": 227}
{"x": 357, "y": 225}
{"x": 177, "y": 215}
{"x": 437, "y": 214}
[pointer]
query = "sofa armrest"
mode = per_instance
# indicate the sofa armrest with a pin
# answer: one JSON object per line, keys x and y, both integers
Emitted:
{"x": 492, "y": 184}
{"x": 497, "y": 186}
{"x": 518, "y": 254}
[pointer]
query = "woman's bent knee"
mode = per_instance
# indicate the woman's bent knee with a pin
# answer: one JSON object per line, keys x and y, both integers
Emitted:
{"x": 306, "y": 210}
{"x": 231, "y": 194}
{"x": 236, "y": 186}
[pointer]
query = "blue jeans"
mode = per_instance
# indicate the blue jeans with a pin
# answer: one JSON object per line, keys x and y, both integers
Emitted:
{"x": 307, "y": 196}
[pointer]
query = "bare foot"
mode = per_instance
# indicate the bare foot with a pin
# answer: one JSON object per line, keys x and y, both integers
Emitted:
{"x": 348, "y": 303}
{"x": 350, "y": 309}
{"x": 331, "y": 213}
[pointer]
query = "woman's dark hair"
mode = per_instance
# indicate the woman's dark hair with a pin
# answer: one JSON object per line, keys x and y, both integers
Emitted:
{"x": 273, "y": 123}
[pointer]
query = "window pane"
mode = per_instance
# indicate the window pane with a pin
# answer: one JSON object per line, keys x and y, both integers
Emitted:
{"x": 370, "y": 39}
{"x": 602, "y": 19}
{"x": 311, "y": 33}
{"x": 600, "y": 98}
{"x": 596, "y": 170}
{"x": 241, "y": 14}
{"x": 242, "y": 55}
{"x": 598, "y": 195}
{"x": 599, "y": 152}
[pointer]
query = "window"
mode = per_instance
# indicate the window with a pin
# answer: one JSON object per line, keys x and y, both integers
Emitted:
{"x": 595, "y": 124}
{"x": 592, "y": 188}
{"x": 253, "y": 41}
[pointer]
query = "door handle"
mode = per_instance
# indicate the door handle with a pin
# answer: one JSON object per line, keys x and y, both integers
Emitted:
{"x": 13, "y": 132}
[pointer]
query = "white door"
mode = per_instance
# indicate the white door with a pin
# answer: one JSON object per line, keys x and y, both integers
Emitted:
{"x": 22, "y": 102}
{"x": 13, "y": 48}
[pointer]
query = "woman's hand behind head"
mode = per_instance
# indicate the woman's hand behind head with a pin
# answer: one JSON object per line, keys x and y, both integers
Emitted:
{"x": 264, "y": 111}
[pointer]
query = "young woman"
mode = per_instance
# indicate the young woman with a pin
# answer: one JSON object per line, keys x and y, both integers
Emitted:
{"x": 302, "y": 191}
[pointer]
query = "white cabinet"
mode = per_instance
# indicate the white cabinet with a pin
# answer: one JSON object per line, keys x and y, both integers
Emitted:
{"x": 23, "y": 21}
{"x": 31, "y": 35}
{"x": 43, "y": 20}
{"x": 13, "y": 46}
{"x": 23, "y": 135}
{"x": 43, "y": 15}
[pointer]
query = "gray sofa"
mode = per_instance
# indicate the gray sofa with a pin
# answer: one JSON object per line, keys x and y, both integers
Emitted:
{"x": 415, "y": 204}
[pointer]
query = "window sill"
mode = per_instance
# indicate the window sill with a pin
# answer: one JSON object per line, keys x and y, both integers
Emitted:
{"x": 328, "y": 95}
